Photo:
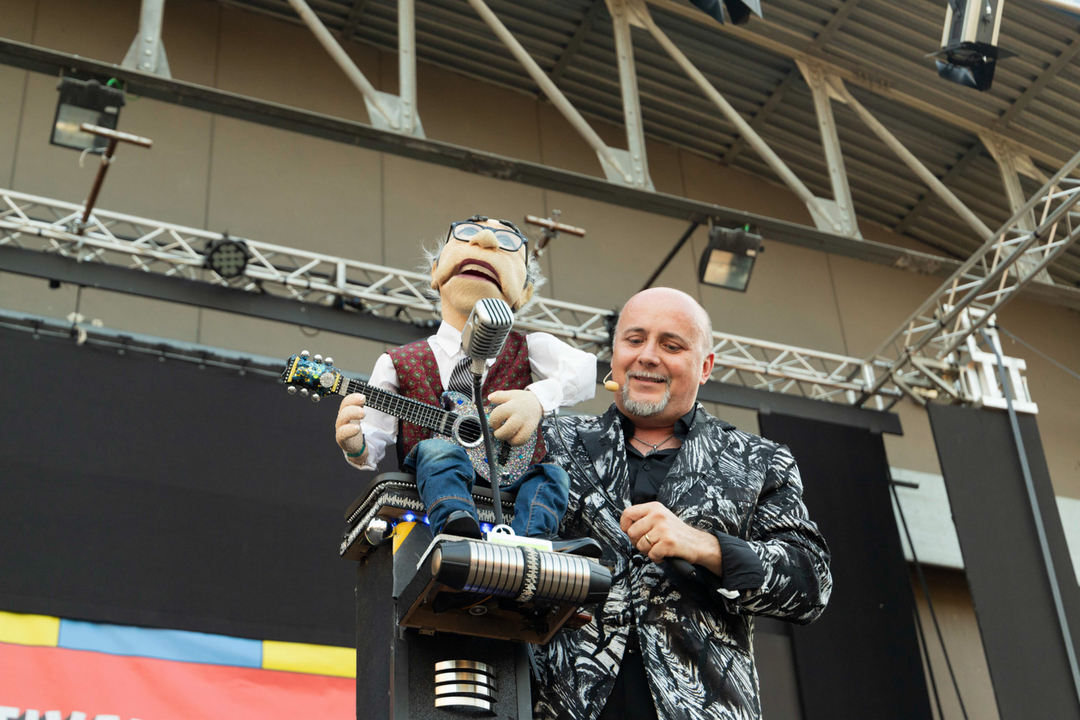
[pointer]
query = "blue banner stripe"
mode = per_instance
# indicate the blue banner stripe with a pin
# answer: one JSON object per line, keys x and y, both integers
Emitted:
{"x": 162, "y": 644}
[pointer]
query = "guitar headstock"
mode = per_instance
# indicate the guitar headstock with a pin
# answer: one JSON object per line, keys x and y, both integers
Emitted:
{"x": 312, "y": 376}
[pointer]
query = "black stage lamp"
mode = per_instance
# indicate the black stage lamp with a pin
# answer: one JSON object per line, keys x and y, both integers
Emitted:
{"x": 969, "y": 51}
{"x": 738, "y": 11}
{"x": 729, "y": 259}
{"x": 85, "y": 101}
{"x": 227, "y": 258}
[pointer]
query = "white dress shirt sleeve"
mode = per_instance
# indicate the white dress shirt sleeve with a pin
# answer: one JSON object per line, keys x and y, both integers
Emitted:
{"x": 379, "y": 428}
{"x": 567, "y": 375}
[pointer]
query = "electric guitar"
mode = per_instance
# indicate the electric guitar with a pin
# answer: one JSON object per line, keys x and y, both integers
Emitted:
{"x": 456, "y": 423}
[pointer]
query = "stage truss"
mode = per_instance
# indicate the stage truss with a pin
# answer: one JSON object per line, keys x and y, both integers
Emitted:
{"x": 935, "y": 353}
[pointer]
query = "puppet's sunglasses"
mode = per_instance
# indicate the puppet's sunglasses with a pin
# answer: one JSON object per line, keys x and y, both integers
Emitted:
{"x": 466, "y": 230}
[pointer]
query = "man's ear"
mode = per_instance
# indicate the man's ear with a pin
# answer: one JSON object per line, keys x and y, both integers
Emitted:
{"x": 434, "y": 266}
{"x": 525, "y": 297}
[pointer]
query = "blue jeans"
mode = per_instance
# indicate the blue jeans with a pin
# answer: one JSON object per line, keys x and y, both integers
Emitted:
{"x": 445, "y": 476}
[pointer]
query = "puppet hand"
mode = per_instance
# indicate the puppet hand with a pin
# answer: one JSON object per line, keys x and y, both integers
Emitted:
{"x": 349, "y": 436}
{"x": 517, "y": 416}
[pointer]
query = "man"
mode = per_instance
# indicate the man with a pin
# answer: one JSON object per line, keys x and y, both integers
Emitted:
{"x": 481, "y": 258}
{"x": 657, "y": 477}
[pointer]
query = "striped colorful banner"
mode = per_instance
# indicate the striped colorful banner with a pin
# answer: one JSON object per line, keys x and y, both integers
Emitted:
{"x": 53, "y": 668}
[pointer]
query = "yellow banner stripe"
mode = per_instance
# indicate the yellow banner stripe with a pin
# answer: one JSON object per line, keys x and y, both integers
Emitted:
{"x": 401, "y": 531}
{"x": 29, "y": 629}
{"x": 304, "y": 658}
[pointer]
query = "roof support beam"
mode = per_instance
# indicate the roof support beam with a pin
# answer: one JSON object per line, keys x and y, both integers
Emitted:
{"x": 147, "y": 52}
{"x": 820, "y": 40}
{"x": 635, "y": 129}
{"x": 912, "y": 162}
{"x": 958, "y": 168}
{"x": 1048, "y": 74}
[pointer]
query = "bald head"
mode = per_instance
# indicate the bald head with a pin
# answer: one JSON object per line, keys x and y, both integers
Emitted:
{"x": 675, "y": 302}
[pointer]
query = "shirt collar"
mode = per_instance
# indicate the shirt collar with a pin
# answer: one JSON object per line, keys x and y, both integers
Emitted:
{"x": 682, "y": 425}
{"x": 449, "y": 338}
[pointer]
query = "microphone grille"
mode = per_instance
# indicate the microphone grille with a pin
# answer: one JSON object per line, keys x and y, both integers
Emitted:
{"x": 487, "y": 328}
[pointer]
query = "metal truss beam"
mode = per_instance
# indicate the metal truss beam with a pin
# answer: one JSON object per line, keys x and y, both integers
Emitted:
{"x": 958, "y": 168}
{"x": 154, "y": 259}
{"x": 936, "y": 348}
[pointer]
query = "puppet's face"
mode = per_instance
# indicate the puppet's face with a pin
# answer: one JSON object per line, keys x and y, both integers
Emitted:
{"x": 469, "y": 270}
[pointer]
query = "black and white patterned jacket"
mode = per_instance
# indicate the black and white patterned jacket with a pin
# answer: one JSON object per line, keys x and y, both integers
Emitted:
{"x": 695, "y": 642}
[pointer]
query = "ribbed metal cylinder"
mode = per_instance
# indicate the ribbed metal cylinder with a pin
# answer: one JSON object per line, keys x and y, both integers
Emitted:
{"x": 465, "y": 684}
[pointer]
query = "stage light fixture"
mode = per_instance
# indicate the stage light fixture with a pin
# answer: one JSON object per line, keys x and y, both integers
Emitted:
{"x": 227, "y": 257}
{"x": 85, "y": 101}
{"x": 729, "y": 259}
{"x": 969, "y": 51}
{"x": 737, "y": 11}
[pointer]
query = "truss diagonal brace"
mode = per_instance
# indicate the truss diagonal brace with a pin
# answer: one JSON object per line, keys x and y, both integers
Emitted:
{"x": 147, "y": 51}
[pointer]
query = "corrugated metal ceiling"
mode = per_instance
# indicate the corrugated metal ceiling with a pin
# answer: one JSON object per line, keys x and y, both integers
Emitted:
{"x": 1038, "y": 90}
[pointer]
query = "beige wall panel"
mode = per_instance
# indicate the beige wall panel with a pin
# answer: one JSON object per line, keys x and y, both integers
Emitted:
{"x": 874, "y": 300}
{"x": 709, "y": 181}
{"x": 742, "y": 418}
{"x": 13, "y": 90}
{"x": 1055, "y": 332}
{"x": 280, "y": 340}
{"x": 466, "y": 112}
{"x": 166, "y": 182}
{"x": 915, "y": 449}
{"x": 960, "y": 631}
{"x": 665, "y": 168}
{"x": 17, "y": 20}
{"x": 421, "y": 200}
{"x": 622, "y": 248}
{"x": 33, "y": 295}
{"x": 561, "y": 146}
{"x": 102, "y": 30}
{"x": 282, "y": 62}
{"x": 118, "y": 311}
{"x": 295, "y": 190}
{"x": 190, "y": 33}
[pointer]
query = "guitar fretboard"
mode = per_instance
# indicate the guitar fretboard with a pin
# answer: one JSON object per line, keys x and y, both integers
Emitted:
{"x": 403, "y": 408}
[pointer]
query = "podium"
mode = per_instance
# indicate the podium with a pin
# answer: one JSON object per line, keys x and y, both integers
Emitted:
{"x": 443, "y": 625}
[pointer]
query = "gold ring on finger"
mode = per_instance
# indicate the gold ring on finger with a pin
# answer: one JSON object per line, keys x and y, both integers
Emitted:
{"x": 648, "y": 539}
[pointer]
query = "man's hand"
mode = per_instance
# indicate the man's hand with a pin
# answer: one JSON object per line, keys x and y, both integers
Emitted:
{"x": 349, "y": 436}
{"x": 668, "y": 536}
{"x": 517, "y": 416}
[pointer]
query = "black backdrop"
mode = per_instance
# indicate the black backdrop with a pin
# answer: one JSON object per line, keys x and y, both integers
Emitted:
{"x": 1003, "y": 560}
{"x": 154, "y": 493}
{"x": 861, "y": 658}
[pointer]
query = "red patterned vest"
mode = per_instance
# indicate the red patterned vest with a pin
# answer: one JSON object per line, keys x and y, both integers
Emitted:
{"x": 418, "y": 378}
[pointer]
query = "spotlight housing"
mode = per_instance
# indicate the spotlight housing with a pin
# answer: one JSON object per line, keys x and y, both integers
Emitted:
{"x": 729, "y": 259}
{"x": 85, "y": 101}
{"x": 737, "y": 11}
{"x": 227, "y": 257}
{"x": 969, "y": 51}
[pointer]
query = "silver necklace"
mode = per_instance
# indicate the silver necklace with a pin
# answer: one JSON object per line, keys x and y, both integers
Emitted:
{"x": 657, "y": 445}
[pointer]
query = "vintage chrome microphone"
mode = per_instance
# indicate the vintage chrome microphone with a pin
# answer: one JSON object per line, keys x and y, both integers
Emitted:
{"x": 483, "y": 338}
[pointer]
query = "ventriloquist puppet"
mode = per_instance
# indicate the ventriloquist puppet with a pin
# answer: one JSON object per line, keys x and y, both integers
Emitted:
{"x": 481, "y": 258}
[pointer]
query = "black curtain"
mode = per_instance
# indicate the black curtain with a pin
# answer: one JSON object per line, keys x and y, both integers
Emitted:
{"x": 861, "y": 658}
{"x": 152, "y": 493}
{"x": 1003, "y": 560}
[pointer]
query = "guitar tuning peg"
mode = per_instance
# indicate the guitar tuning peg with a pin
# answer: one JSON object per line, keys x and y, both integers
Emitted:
{"x": 318, "y": 358}
{"x": 304, "y": 392}
{"x": 329, "y": 360}
{"x": 305, "y": 354}
{"x": 291, "y": 389}
{"x": 315, "y": 397}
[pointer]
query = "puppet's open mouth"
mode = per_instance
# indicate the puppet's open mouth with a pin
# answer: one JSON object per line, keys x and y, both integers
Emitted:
{"x": 480, "y": 270}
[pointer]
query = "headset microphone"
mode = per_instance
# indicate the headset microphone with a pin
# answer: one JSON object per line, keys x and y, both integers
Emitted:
{"x": 610, "y": 385}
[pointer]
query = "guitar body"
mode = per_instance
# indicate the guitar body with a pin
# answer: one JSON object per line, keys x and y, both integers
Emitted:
{"x": 512, "y": 461}
{"x": 457, "y": 422}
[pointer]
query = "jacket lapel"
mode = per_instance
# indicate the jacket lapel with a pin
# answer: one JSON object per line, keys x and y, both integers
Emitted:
{"x": 604, "y": 442}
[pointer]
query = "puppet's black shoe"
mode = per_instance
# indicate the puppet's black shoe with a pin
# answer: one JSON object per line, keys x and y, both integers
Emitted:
{"x": 586, "y": 547}
{"x": 463, "y": 524}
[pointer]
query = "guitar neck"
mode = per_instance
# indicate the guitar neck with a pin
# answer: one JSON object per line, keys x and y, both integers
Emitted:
{"x": 403, "y": 408}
